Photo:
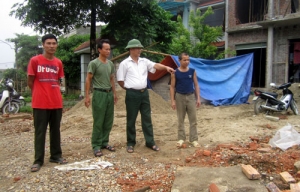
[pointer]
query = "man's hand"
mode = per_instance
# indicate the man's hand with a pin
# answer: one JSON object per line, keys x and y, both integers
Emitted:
{"x": 173, "y": 105}
{"x": 87, "y": 101}
{"x": 170, "y": 70}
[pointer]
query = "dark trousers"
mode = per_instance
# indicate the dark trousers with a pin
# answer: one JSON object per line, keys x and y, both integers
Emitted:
{"x": 103, "y": 115}
{"x": 41, "y": 118}
{"x": 138, "y": 101}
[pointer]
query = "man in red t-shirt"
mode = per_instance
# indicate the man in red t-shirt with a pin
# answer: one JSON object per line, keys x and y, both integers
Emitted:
{"x": 44, "y": 72}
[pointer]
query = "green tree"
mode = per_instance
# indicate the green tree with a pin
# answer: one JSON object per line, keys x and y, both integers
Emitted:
{"x": 60, "y": 17}
{"x": 25, "y": 47}
{"x": 204, "y": 34}
{"x": 182, "y": 41}
{"x": 198, "y": 42}
{"x": 19, "y": 77}
{"x": 71, "y": 60}
{"x": 143, "y": 20}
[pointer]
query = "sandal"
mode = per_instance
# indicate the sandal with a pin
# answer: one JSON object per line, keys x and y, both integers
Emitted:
{"x": 35, "y": 167}
{"x": 195, "y": 144}
{"x": 154, "y": 148}
{"x": 110, "y": 148}
{"x": 130, "y": 149}
{"x": 179, "y": 143}
{"x": 59, "y": 161}
{"x": 98, "y": 153}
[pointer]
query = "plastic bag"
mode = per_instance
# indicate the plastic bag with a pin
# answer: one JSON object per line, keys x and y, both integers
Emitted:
{"x": 285, "y": 137}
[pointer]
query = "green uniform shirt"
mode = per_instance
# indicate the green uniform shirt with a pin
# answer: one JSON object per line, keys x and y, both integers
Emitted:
{"x": 101, "y": 73}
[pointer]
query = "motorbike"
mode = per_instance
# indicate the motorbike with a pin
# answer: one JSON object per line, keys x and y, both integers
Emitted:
{"x": 8, "y": 104}
{"x": 18, "y": 98}
{"x": 268, "y": 102}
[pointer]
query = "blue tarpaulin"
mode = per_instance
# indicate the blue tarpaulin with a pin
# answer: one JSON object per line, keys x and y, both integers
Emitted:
{"x": 225, "y": 81}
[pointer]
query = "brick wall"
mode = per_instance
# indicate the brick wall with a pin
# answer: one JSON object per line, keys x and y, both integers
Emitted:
{"x": 249, "y": 35}
{"x": 162, "y": 87}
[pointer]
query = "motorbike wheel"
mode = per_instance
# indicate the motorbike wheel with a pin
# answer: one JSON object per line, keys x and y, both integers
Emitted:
{"x": 257, "y": 108}
{"x": 13, "y": 109}
{"x": 294, "y": 107}
{"x": 22, "y": 102}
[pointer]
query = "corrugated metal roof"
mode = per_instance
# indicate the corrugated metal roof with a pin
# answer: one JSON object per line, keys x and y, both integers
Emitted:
{"x": 210, "y": 3}
{"x": 171, "y": 6}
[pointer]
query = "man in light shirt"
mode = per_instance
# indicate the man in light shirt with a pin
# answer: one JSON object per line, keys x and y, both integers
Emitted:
{"x": 132, "y": 76}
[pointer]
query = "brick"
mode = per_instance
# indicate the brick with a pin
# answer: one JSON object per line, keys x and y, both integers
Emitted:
{"x": 297, "y": 174}
{"x": 254, "y": 138}
{"x": 264, "y": 150}
{"x": 295, "y": 187}
{"x": 272, "y": 187}
{"x": 286, "y": 177}
{"x": 250, "y": 172}
{"x": 265, "y": 145}
{"x": 206, "y": 153}
{"x": 253, "y": 146}
{"x": 225, "y": 146}
{"x": 188, "y": 159}
{"x": 213, "y": 188}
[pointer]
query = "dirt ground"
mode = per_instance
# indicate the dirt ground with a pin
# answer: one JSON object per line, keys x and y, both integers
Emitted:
{"x": 229, "y": 135}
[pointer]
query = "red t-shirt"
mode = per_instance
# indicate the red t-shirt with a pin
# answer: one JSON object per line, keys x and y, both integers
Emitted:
{"x": 46, "y": 90}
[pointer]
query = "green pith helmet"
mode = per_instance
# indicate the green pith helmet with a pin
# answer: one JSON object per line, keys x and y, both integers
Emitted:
{"x": 134, "y": 43}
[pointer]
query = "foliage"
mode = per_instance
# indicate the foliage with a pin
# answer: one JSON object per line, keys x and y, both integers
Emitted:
{"x": 26, "y": 109}
{"x": 69, "y": 104}
{"x": 228, "y": 52}
{"x": 1, "y": 74}
{"x": 60, "y": 17}
{"x": 182, "y": 41}
{"x": 56, "y": 16}
{"x": 204, "y": 34}
{"x": 198, "y": 42}
{"x": 18, "y": 76}
{"x": 27, "y": 99}
{"x": 146, "y": 21}
{"x": 25, "y": 47}
{"x": 71, "y": 61}
{"x": 70, "y": 97}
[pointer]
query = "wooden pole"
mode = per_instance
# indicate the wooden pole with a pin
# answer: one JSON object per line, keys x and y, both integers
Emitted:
{"x": 127, "y": 52}
{"x": 119, "y": 56}
{"x": 157, "y": 53}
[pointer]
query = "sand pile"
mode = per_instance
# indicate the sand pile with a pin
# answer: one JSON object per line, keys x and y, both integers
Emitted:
{"x": 158, "y": 104}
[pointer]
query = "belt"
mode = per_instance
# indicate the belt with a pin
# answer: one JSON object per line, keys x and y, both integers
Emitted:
{"x": 186, "y": 93}
{"x": 103, "y": 90}
{"x": 138, "y": 90}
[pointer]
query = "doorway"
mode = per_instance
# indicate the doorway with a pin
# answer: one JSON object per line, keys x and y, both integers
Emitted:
{"x": 294, "y": 60}
{"x": 259, "y": 65}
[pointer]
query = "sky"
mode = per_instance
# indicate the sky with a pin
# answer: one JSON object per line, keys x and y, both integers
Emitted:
{"x": 9, "y": 26}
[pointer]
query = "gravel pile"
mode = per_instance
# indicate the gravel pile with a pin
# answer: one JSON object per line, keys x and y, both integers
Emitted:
{"x": 126, "y": 174}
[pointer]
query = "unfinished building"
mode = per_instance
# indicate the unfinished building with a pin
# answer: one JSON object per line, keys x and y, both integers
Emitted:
{"x": 271, "y": 30}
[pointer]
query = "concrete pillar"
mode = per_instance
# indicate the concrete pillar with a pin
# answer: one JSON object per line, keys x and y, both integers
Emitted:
{"x": 84, "y": 61}
{"x": 185, "y": 16}
{"x": 226, "y": 26}
{"x": 270, "y": 45}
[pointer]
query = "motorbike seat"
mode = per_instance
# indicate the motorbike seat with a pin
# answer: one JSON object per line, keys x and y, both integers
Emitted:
{"x": 285, "y": 85}
{"x": 275, "y": 95}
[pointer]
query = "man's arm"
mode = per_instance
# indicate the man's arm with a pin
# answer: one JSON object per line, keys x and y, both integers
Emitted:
{"x": 113, "y": 87}
{"x": 159, "y": 66}
{"x": 88, "y": 81}
{"x": 121, "y": 73}
{"x": 121, "y": 83}
{"x": 172, "y": 91}
{"x": 30, "y": 80}
{"x": 197, "y": 90}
